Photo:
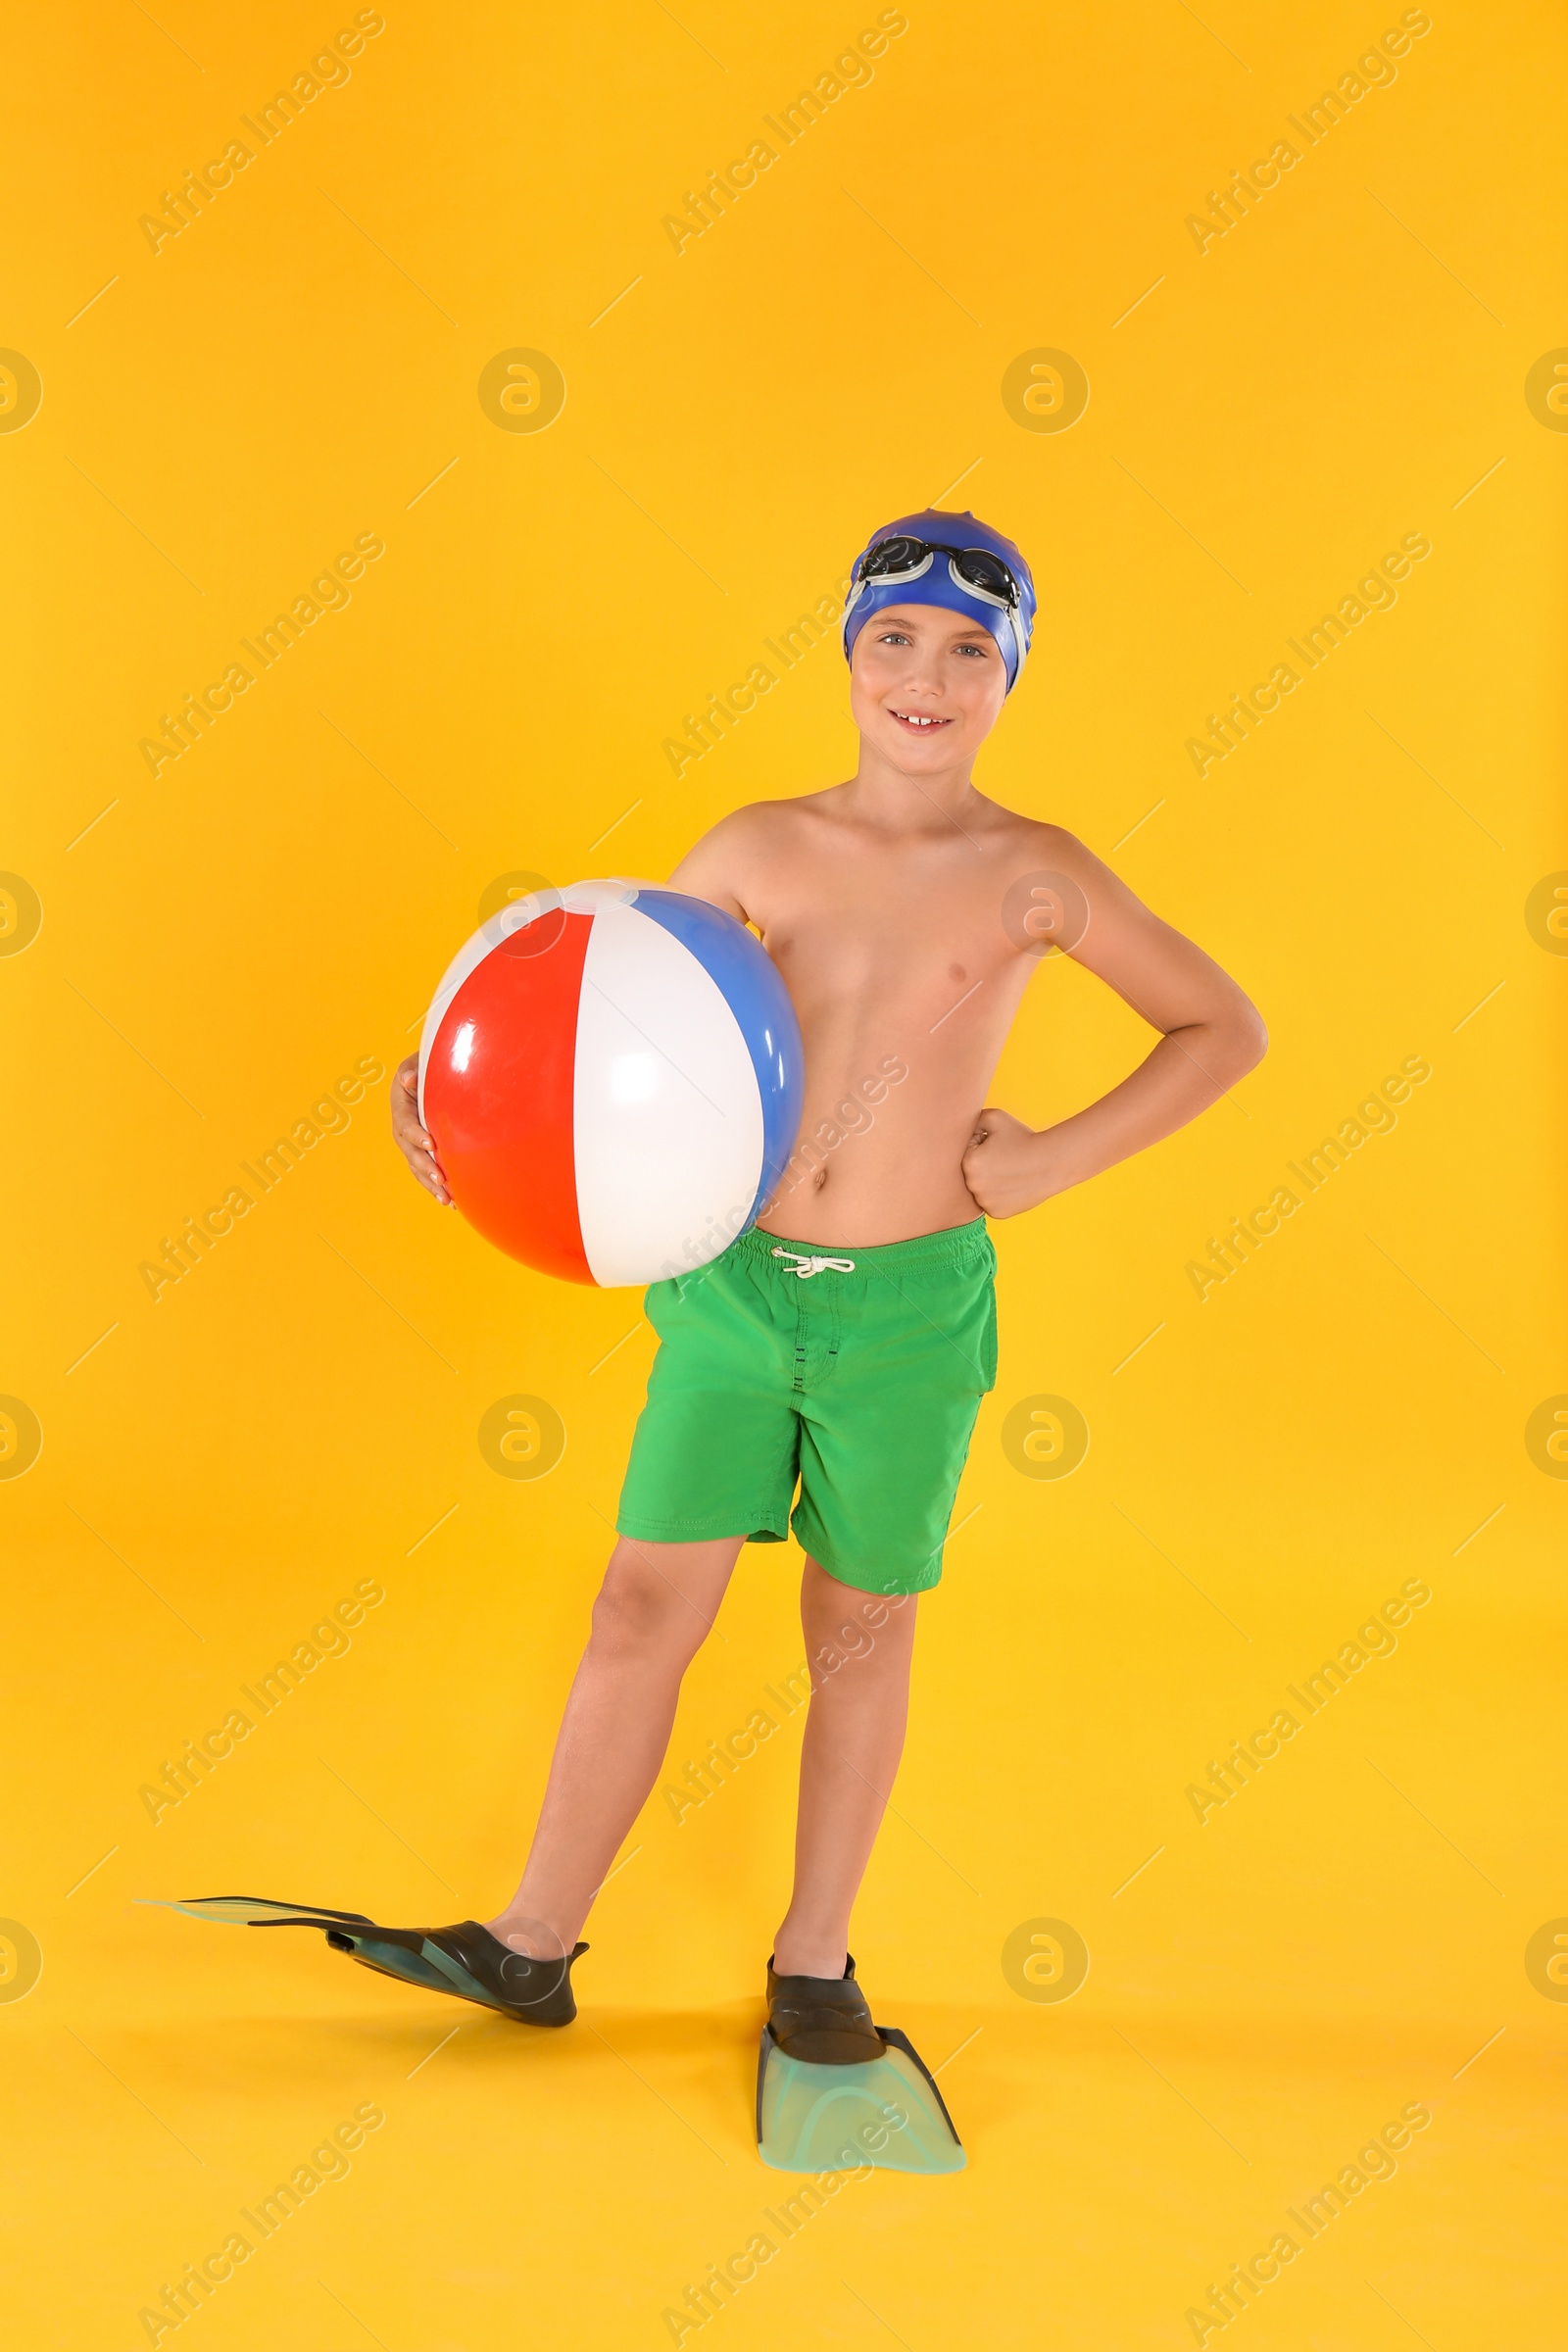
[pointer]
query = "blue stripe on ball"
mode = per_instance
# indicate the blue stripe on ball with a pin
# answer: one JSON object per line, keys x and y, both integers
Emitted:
{"x": 749, "y": 984}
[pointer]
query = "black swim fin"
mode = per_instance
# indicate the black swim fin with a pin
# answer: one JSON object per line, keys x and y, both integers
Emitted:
{"x": 465, "y": 1959}
{"x": 834, "y": 2091}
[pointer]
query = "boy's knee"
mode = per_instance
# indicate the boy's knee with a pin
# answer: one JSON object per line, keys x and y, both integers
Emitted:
{"x": 640, "y": 1609}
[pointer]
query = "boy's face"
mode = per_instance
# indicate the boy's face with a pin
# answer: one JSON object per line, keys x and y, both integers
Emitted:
{"x": 926, "y": 685}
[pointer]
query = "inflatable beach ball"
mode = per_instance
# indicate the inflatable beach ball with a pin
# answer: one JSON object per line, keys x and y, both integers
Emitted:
{"x": 612, "y": 1076}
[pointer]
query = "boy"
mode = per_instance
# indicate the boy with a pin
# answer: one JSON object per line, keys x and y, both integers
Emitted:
{"x": 849, "y": 1336}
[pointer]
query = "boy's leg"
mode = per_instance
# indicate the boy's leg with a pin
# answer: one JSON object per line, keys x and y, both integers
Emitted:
{"x": 854, "y": 1739}
{"x": 655, "y": 1609}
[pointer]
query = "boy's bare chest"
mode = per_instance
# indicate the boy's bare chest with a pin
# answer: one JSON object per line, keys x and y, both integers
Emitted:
{"x": 858, "y": 928}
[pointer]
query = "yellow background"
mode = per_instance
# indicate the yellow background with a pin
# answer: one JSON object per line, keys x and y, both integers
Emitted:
{"x": 299, "y": 366}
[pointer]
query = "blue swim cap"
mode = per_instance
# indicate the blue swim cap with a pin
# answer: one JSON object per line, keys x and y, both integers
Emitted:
{"x": 937, "y": 585}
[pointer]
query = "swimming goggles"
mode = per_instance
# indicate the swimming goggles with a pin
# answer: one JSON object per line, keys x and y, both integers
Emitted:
{"x": 975, "y": 570}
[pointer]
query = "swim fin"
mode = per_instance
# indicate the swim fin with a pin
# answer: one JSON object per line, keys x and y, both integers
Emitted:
{"x": 835, "y": 2091}
{"x": 464, "y": 1960}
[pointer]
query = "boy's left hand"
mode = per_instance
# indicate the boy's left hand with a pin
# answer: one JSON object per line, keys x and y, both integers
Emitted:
{"x": 1002, "y": 1166}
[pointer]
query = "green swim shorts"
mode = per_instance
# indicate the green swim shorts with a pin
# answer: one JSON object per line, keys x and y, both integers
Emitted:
{"x": 856, "y": 1373}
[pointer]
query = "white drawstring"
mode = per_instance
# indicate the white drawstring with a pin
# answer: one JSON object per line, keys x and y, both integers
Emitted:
{"x": 805, "y": 1267}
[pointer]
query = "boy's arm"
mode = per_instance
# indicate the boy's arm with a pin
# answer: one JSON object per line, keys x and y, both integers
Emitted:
{"x": 1212, "y": 1034}
{"x": 713, "y": 868}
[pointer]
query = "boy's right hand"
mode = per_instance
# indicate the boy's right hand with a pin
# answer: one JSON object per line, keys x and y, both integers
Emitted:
{"x": 413, "y": 1140}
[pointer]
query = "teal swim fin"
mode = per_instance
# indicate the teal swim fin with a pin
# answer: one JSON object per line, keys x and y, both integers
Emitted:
{"x": 464, "y": 1960}
{"x": 835, "y": 2091}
